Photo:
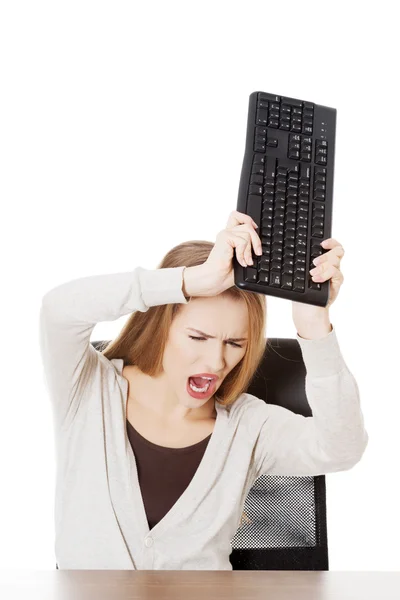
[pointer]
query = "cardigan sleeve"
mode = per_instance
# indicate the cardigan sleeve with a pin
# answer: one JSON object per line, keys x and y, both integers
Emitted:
{"x": 69, "y": 313}
{"x": 333, "y": 439}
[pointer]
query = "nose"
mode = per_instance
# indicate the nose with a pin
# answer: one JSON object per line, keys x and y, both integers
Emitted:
{"x": 215, "y": 359}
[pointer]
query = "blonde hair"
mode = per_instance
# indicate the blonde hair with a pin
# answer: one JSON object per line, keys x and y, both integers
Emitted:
{"x": 136, "y": 344}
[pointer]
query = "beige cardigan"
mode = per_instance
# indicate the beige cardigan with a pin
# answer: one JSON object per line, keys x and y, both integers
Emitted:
{"x": 100, "y": 522}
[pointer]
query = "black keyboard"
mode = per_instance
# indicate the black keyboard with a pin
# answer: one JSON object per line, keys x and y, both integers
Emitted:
{"x": 286, "y": 186}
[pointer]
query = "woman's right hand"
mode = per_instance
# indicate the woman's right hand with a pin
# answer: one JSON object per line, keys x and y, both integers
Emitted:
{"x": 240, "y": 236}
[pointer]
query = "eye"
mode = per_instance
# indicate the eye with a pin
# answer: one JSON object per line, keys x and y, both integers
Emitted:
{"x": 202, "y": 339}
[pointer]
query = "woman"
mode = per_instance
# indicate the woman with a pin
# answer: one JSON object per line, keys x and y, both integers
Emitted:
{"x": 152, "y": 474}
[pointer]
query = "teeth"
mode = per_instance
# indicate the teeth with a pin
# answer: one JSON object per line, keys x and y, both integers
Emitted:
{"x": 196, "y": 389}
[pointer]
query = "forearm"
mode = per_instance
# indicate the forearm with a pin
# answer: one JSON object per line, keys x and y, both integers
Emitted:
{"x": 196, "y": 281}
{"x": 70, "y": 312}
{"x": 311, "y": 322}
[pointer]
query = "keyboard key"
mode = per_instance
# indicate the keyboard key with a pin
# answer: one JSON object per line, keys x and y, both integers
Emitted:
{"x": 292, "y": 101}
{"x": 298, "y": 285}
{"x": 268, "y": 97}
{"x": 275, "y": 279}
{"x": 254, "y": 207}
{"x": 287, "y": 282}
{"x": 317, "y": 232}
{"x": 256, "y": 189}
{"x": 251, "y": 274}
{"x": 261, "y": 116}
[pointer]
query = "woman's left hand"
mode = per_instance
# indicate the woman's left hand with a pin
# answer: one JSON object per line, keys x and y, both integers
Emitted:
{"x": 328, "y": 267}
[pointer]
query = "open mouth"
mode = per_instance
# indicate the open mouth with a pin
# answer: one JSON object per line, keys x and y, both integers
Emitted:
{"x": 200, "y": 392}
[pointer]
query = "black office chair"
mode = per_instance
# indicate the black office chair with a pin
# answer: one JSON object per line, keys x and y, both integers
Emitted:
{"x": 286, "y": 516}
{"x": 285, "y": 524}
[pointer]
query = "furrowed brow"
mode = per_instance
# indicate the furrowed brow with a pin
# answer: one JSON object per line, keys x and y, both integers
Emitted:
{"x": 207, "y": 335}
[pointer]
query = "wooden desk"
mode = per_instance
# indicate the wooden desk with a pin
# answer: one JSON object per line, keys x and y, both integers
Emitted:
{"x": 199, "y": 585}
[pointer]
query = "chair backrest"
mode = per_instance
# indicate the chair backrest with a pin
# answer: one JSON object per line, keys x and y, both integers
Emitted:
{"x": 286, "y": 516}
{"x": 285, "y": 527}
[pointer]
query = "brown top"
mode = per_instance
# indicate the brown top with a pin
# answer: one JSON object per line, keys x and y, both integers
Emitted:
{"x": 164, "y": 473}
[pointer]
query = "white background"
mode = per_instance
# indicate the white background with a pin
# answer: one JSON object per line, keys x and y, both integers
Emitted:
{"x": 122, "y": 134}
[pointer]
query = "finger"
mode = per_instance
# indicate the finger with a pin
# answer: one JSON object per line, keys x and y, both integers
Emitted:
{"x": 242, "y": 244}
{"x": 237, "y": 218}
{"x": 332, "y": 259}
{"x": 332, "y": 244}
{"x": 255, "y": 240}
{"x": 335, "y": 254}
{"x": 329, "y": 272}
{"x": 244, "y": 248}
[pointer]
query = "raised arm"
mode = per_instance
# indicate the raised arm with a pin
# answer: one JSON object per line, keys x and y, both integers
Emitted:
{"x": 333, "y": 439}
{"x": 69, "y": 313}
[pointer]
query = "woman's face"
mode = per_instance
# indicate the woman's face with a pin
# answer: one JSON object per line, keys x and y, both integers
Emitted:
{"x": 218, "y": 316}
